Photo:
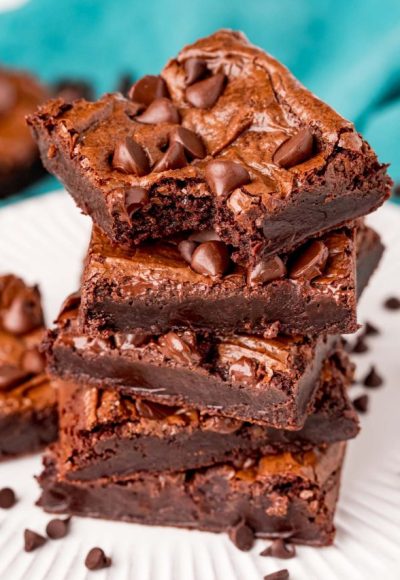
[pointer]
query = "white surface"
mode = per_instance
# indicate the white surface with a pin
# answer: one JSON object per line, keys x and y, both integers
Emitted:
{"x": 44, "y": 240}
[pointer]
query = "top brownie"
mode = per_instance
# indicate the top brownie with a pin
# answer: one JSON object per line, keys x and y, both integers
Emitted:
{"x": 225, "y": 139}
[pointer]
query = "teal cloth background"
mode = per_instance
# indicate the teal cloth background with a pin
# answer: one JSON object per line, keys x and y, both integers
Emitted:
{"x": 346, "y": 51}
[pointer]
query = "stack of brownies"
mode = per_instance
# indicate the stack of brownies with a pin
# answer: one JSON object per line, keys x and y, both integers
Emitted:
{"x": 201, "y": 375}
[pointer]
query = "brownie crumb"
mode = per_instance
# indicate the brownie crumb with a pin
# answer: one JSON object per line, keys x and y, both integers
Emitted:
{"x": 278, "y": 575}
{"x": 279, "y": 549}
{"x": 372, "y": 379}
{"x": 392, "y": 303}
{"x": 370, "y": 329}
{"x": 57, "y": 528}
{"x": 361, "y": 403}
{"x": 97, "y": 560}
{"x": 32, "y": 540}
{"x": 242, "y": 536}
{"x": 7, "y": 498}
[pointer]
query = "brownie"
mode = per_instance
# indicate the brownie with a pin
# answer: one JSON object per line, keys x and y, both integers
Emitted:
{"x": 225, "y": 139}
{"x": 285, "y": 495}
{"x": 369, "y": 253}
{"x": 20, "y": 165}
{"x": 28, "y": 412}
{"x": 153, "y": 288}
{"x": 104, "y": 433}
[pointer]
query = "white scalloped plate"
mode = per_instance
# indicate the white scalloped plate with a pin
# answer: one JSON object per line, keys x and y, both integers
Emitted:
{"x": 43, "y": 240}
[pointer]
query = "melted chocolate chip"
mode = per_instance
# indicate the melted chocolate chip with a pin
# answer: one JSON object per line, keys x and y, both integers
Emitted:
{"x": 266, "y": 271}
{"x": 160, "y": 111}
{"x": 33, "y": 540}
{"x": 155, "y": 411}
{"x": 7, "y": 498}
{"x": 130, "y": 157}
{"x": 204, "y": 94}
{"x": 57, "y": 528}
{"x": 360, "y": 345}
{"x": 242, "y": 536}
{"x": 195, "y": 70}
{"x": 211, "y": 259}
{"x": 361, "y": 403}
{"x": 8, "y": 95}
{"x": 182, "y": 348}
{"x": 392, "y": 303}
{"x": 33, "y": 361}
{"x": 373, "y": 379}
{"x": 24, "y": 313}
{"x": 278, "y": 575}
{"x": 311, "y": 261}
{"x": 137, "y": 338}
{"x": 370, "y": 329}
{"x": 224, "y": 425}
{"x": 243, "y": 370}
{"x": 71, "y": 302}
{"x": 186, "y": 248}
{"x": 97, "y": 560}
{"x": 173, "y": 158}
{"x": 135, "y": 198}
{"x": 295, "y": 150}
{"x": 147, "y": 89}
{"x": 204, "y": 236}
{"x": 279, "y": 549}
{"x": 11, "y": 376}
{"x": 224, "y": 176}
{"x": 192, "y": 143}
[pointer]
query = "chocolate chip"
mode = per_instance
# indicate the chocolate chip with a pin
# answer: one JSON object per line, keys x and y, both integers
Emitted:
{"x": 182, "y": 348}
{"x": 392, "y": 303}
{"x": 97, "y": 560}
{"x": 243, "y": 370}
{"x": 370, "y": 329}
{"x": 242, "y": 536}
{"x": 71, "y": 302}
{"x": 224, "y": 425}
{"x": 279, "y": 549}
{"x": 204, "y": 94}
{"x": 155, "y": 411}
{"x": 11, "y": 376}
{"x": 24, "y": 313}
{"x": 372, "y": 379}
{"x": 7, "y": 498}
{"x": 57, "y": 528}
{"x": 33, "y": 361}
{"x": 125, "y": 83}
{"x": 360, "y": 345}
{"x": 191, "y": 142}
{"x": 311, "y": 261}
{"x": 204, "y": 236}
{"x": 195, "y": 70}
{"x": 224, "y": 176}
{"x": 266, "y": 271}
{"x": 295, "y": 150}
{"x": 160, "y": 111}
{"x": 186, "y": 248}
{"x": 361, "y": 403}
{"x": 278, "y": 575}
{"x": 70, "y": 90}
{"x": 8, "y": 95}
{"x": 173, "y": 158}
{"x": 147, "y": 89}
{"x": 130, "y": 157}
{"x": 137, "y": 338}
{"x": 211, "y": 259}
{"x": 135, "y": 198}
{"x": 33, "y": 540}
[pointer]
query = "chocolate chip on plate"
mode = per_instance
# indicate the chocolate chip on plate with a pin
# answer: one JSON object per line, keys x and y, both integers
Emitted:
{"x": 279, "y": 549}
{"x": 295, "y": 150}
{"x": 370, "y": 329}
{"x": 266, "y": 271}
{"x": 223, "y": 176}
{"x": 58, "y": 528}
{"x": 135, "y": 198}
{"x": 278, "y": 575}
{"x": 204, "y": 94}
{"x": 191, "y": 142}
{"x": 211, "y": 259}
{"x": 24, "y": 313}
{"x": 372, "y": 379}
{"x": 392, "y": 303}
{"x": 242, "y": 536}
{"x": 186, "y": 248}
{"x": 147, "y": 89}
{"x": 173, "y": 158}
{"x": 7, "y": 498}
{"x": 130, "y": 157}
{"x": 361, "y": 403}
{"x": 310, "y": 262}
{"x": 159, "y": 111}
{"x": 360, "y": 345}
{"x": 97, "y": 560}
{"x": 195, "y": 70}
{"x": 32, "y": 540}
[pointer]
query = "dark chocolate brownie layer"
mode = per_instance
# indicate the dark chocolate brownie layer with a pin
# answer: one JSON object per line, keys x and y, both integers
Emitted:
{"x": 104, "y": 433}
{"x": 286, "y": 495}
{"x": 225, "y": 139}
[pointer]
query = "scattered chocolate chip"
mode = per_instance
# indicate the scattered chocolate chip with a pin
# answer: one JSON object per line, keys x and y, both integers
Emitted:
{"x": 7, "y": 498}
{"x": 311, "y": 261}
{"x": 70, "y": 90}
{"x": 361, "y": 403}
{"x": 130, "y": 157}
{"x": 372, "y": 379}
{"x": 278, "y": 575}
{"x": 266, "y": 271}
{"x": 124, "y": 84}
{"x": 224, "y": 176}
{"x": 204, "y": 94}
{"x": 57, "y": 528}
{"x": 242, "y": 536}
{"x": 71, "y": 302}
{"x": 135, "y": 198}
{"x": 155, "y": 411}
{"x": 173, "y": 158}
{"x": 191, "y": 142}
{"x": 97, "y": 560}
{"x": 370, "y": 329}
{"x": 11, "y": 376}
{"x": 33, "y": 540}
{"x": 24, "y": 313}
{"x": 182, "y": 348}
{"x": 396, "y": 190}
{"x": 8, "y": 95}
{"x": 392, "y": 303}
{"x": 160, "y": 111}
{"x": 147, "y": 89}
{"x": 360, "y": 345}
{"x": 295, "y": 150}
{"x": 195, "y": 70}
{"x": 33, "y": 361}
{"x": 186, "y": 248}
{"x": 211, "y": 259}
{"x": 204, "y": 236}
{"x": 279, "y": 549}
